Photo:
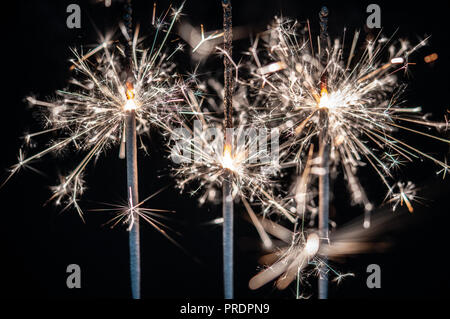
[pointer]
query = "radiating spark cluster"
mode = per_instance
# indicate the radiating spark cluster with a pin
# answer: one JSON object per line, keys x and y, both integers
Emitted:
{"x": 361, "y": 98}
{"x": 89, "y": 115}
{"x": 403, "y": 194}
{"x": 202, "y": 159}
{"x": 360, "y": 94}
{"x": 126, "y": 214}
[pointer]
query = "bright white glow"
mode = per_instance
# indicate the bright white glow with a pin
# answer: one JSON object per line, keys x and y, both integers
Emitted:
{"x": 324, "y": 101}
{"x": 397, "y": 60}
{"x": 227, "y": 160}
{"x": 273, "y": 67}
{"x": 312, "y": 244}
{"x": 130, "y": 105}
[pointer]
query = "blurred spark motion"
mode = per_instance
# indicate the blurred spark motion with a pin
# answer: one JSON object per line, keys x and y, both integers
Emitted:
{"x": 360, "y": 96}
{"x": 301, "y": 255}
{"x": 204, "y": 43}
{"x": 89, "y": 115}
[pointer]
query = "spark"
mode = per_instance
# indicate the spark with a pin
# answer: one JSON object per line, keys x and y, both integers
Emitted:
{"x": 407, "y": 193}
{"x": 312, "y": 244}
{"x": 201, "y": 156}
{"x": 126, "y": 215}
{"x": 362, "y": 99}
{"x": 431, "y": 58}
{"x": 89, "y": 115}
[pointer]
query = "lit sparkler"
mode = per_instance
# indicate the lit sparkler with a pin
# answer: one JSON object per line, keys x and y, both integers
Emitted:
{"x": 126, "y": 92}
{"x": 350, "y": 106}
{"x": 204, "y": 158}
{"x": 361, "y": 101}
{"x": 201, "y": 157}
{"x": 90, "y": 114}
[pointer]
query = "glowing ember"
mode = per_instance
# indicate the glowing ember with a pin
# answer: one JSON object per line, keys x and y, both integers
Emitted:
{"x": 324, "y": 99}
{"x": 130, "y": 105}
{"x": 431, "y": 58}
{"x": 227, "y": 161}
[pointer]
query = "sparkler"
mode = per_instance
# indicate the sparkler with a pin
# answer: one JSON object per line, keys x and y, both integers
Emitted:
{"x": 220, "y": 163}
{"x": 227, "y": 202}
{"x": 128, "y": 91}
{"x": 324, "y": 178}
{"x": 132, "y": 169}
{"x": 352, "y": 106}
{"x": 204, "y": 155}
{"x": 357, "y": 104}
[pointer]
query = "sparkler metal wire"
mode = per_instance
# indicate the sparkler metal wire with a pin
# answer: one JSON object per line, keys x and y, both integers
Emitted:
{"x": 132, "y": 168}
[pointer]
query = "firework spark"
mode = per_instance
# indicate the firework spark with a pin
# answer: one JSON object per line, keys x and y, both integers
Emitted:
{"x": 355, "y": 103}
{"x": 201, "y": 156}
{"x": 89, "y": 116}
{"x": 360, "y": 97}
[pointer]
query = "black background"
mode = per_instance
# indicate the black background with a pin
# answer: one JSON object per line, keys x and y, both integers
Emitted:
{"x": 38, "y": 242}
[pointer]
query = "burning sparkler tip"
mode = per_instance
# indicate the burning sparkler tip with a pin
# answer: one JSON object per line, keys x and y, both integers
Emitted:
{"x": 312, "y": 244}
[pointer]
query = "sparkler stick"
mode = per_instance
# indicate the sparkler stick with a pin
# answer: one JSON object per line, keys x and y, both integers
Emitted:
{"x": 132, "y": 170}
{"x": 324, "y": 178}
{"x": 132, "y": 182}
{"x": 324, "y": 199}
{"x": 227, "y": 194}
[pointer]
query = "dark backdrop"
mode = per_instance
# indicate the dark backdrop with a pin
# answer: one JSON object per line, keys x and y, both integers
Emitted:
{"x": 38, "y": 242}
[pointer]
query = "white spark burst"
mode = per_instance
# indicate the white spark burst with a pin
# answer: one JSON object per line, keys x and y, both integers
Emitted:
{"x": 201, "y": 158}
{"x": 361, "y": 97}
{"x": 89, "y": 115}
